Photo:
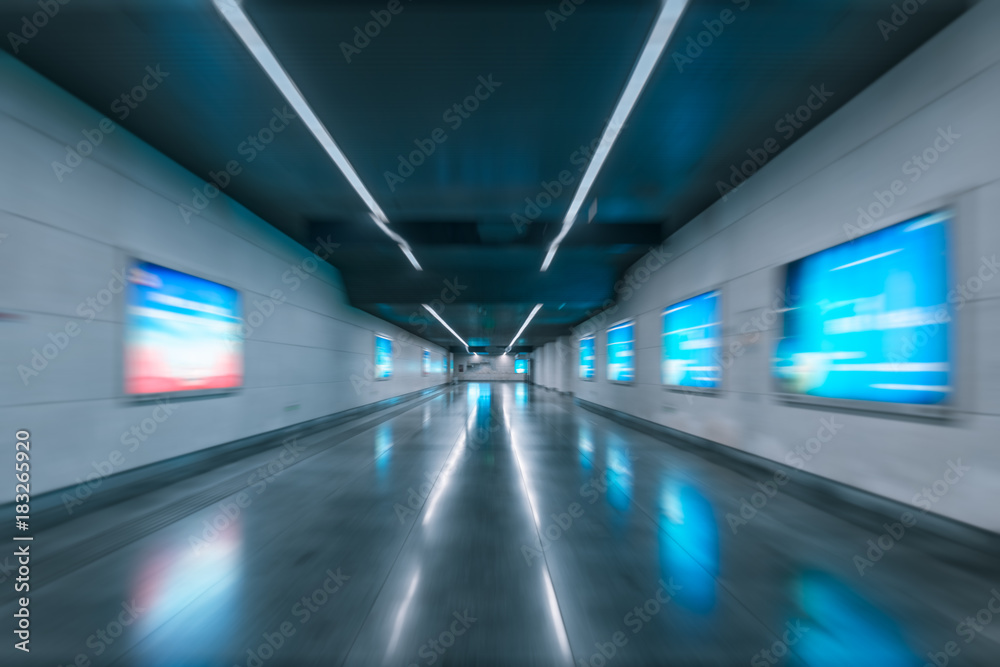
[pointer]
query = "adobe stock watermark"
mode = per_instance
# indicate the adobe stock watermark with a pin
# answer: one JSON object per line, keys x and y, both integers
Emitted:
{"x": 454, "y": 116}
{"x": 787, "y": 127}
{"x": 32, "y": 24}
{"x": 7, "y": 569}
{"x": 434, "y": 649}
{"x": 915, "y": 168}
{"x": 625, "y": 289}
{"x": 94, "y": 137}
{"x": 898, "y": 17}
{"x": 696, "y": 44}
{"x": 969, "y": 628}
{"x": 962, "y": 293}
{"x": 751, "y": 330}
{"x": 553, "y": 531}
{"x": 929, "y": 496}
{"x": 417, "y": 497}
{"x": 303, "y": 610}
{"x": 60, "y": 339}
{"x": 797, "y": 457}
{"x": 126, "y": 103}
{"x": 131, "y": 440}
{"x": 248, "y": 149}
{"x": 549, "y": 191}
{"x": 265, "y": 307}
{"x": 104, "y": 637}
{"x": 562, "y": 12}
{"x": 561, "y": 522}
{"x": 381, "y": 18}
{"x": 450, "y": 291}
{"x": 635, "y": 620}
{"x": 258, "y": 481}
{"x": 780, "y": 648}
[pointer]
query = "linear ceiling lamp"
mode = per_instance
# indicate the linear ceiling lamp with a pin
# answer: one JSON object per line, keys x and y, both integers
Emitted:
{"x": 232, "y": 12}
{"x": 663, "y": 28}
{"x": 524, "y": 326}
{"x": 439, "y": 319}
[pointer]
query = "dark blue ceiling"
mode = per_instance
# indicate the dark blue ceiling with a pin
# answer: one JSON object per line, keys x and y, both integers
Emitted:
{"x": 557, "y": 87}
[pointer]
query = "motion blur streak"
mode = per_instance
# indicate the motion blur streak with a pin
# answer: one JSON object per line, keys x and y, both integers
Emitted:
{"x": 748, "y": 415}
{"x": 232, "y": 11}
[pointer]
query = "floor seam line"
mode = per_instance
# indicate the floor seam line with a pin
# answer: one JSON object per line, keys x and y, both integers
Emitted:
{"x": 545, "y": 560}
{"x": 658, "y": 529}
{"x": 402, "y": 546}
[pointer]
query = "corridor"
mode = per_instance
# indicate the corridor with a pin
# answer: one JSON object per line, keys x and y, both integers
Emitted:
{"x": 496, "y": 524}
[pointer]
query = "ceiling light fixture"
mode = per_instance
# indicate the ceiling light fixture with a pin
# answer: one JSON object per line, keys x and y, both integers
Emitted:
{"x": 232, "y": 12}
{"x": 434, "y": 313}
{"x": 663, "y": 28}
{"x": 524, "y": 326}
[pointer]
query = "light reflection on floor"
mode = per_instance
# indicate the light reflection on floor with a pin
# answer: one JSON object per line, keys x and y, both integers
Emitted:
{"x": 480, "y": 478}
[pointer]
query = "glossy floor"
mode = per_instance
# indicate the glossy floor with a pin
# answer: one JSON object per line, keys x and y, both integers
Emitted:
{"x": 494, "y": 524}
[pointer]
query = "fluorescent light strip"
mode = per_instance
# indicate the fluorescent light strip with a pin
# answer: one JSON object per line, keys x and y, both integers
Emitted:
{"x": 403, "y": 245}
{"x": 868, "y": 259}
{"x": 621, "y": 326}
{"x": 694, "y": 328}
{"x": 523, "y": 327}
{"x": 434, "y": 313}
{"x": 929, "y": 220}
{"x": 944, "y": 389}
{"x": 555, "y": 246}
{"x": 663, "y": 28}
{"x": 410, "y": 256}
{"x": 233, "y": 13}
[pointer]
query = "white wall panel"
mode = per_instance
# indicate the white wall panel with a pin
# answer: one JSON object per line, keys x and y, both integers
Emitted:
{"x": 798, "y": 204}
{"x": 65, "y": 239}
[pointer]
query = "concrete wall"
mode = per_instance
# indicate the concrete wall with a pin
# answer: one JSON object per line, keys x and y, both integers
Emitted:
{"x": 61, "y": 242}
{"x": 803, "y": 201}
{"x": 487, "y": 368}
{"x": 555, "y": 365}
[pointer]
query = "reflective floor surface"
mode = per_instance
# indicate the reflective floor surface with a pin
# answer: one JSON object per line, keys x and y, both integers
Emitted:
{"x": 494, "y": 524}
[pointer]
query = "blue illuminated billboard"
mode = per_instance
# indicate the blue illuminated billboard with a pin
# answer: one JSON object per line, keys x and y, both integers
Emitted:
{"x": 520, "y": 365}
{"x": 182, "y": 333}
{"x": 438, "y": 364}
{"x": 587, "y": 359}
{"x": 692, "y": 334}
{"x": 426, "y": 367}
{"x": 869, "y": 319}
{"x": 383, "y": 357}
{"x": 621, "y": 352}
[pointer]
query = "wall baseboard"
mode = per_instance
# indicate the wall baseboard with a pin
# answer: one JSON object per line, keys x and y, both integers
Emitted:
{"x": 48, "y": 509}
{"x": 932, "y": 533}
{"x": 485, "y": 379}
